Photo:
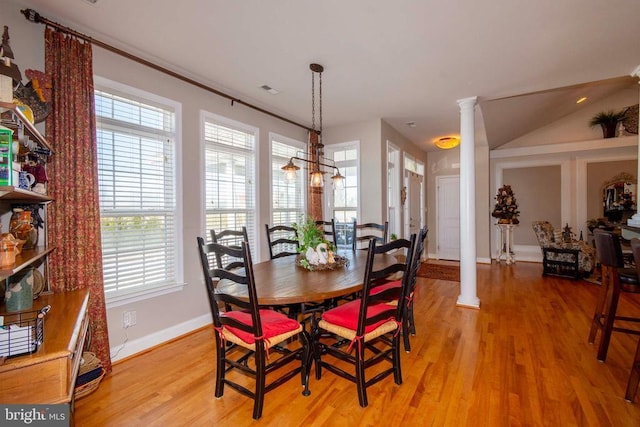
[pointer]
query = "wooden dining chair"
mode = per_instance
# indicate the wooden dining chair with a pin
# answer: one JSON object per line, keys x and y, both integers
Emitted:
{"x": 370, "y": 324}
{"x": 615, "y": 279}
{"x": 329, "y": 229}
{"x": 634, "y": 375}
{"x": 408, "y": 319}
{"x": 251, "y": 332}
{"x": 233, "y": 239}
{"x": 362, "y": 233}
{"x": 282, "y": 241}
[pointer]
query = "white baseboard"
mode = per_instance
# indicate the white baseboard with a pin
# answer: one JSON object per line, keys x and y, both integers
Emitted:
{"x": 480, "y": 260}
{"x": 130, "y": 348}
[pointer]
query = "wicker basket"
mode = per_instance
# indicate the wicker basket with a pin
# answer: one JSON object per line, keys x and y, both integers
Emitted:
{"x": 89, "y": 363}
{"x": 88, "y": 388}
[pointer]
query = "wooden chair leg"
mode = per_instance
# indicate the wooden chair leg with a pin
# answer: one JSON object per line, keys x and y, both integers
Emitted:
{"x": 360, "y": 378}
{"x": 634, "y": 377}
{"x": 260, "y": 380}
{"x": 609, "y": 317}
{"x": 220, "y": 368}
{"x": 596, "y": 322}
{"x": 397, "y": 371}
{"x": 306, "y": 362}
{"x": 405, "y": 334}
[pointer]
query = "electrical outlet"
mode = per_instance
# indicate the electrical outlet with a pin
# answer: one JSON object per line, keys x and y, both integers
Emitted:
{"x": 128, "y": 319}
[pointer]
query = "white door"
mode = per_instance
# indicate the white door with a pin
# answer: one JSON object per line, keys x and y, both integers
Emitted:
{"x": 448, "y": 219}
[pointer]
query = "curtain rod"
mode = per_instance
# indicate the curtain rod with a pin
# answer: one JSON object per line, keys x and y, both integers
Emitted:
{"x": 33, "y": 16}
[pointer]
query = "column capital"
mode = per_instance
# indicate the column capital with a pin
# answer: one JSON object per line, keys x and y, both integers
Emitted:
{"x": 468, "y": 102}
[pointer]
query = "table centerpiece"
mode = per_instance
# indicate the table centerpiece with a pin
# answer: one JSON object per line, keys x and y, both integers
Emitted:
{"x": 315, "y": 252}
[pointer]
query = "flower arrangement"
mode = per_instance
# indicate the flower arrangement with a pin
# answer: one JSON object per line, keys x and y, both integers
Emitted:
{"x": 506, "y": 208}
{"x": 315, "y": 252}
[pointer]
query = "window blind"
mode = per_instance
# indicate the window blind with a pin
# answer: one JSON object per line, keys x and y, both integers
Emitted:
{"x": 287, "y": 197}
{"x": 136, "y": 173}
{"x": 230, "y": 178}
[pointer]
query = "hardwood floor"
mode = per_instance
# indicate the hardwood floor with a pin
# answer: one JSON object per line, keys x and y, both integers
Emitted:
{"x": 522, "y": 359}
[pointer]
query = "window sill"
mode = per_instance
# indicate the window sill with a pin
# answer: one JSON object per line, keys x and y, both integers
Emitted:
{"x": 134, "y": 296}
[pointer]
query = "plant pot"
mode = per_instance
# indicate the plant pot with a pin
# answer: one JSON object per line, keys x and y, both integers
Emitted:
{"x": 609, "y": 129}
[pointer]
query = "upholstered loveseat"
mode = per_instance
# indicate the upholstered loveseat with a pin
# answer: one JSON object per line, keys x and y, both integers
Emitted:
{"x": 572, "y": 259}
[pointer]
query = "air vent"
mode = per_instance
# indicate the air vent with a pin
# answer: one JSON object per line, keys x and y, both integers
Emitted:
{"x": 269, "y": 89}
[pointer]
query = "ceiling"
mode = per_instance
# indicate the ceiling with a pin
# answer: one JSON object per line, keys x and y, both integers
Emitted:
{"x": 402, "y": 61}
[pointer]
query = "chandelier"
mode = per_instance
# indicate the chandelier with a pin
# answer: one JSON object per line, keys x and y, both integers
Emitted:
{"x": 317, "y": 159}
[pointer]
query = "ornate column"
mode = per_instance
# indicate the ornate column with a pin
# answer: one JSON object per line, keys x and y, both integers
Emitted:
{"x": 468, "y": 277}
{"x": 634, "y": 221}
{"x": 314, "y": 199}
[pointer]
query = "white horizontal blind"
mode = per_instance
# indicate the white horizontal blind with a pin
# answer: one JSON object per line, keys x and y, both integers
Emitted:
{"x": 136, "y": 172}
{"x": 287, "y": 197}
{"x": 230, "y": 178}
{"x": 345, "y": 200}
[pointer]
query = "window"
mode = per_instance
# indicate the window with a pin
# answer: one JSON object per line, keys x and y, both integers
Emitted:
{"x": 136, "y": 144}
{"x": 343, "y": 203}
{"x": 230, "y": 167}
{"x": 287, "y": 197}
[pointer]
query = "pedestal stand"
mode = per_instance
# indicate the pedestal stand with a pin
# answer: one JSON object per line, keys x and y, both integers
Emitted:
{"x": 506, "y": 243}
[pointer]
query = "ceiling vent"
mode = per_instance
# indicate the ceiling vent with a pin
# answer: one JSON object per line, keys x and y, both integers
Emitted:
{"x": 269, "y": 89}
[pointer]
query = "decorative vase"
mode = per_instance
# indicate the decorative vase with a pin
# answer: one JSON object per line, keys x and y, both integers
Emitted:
{"x": 21, "y": 226}
{"x": 19, "y": 295}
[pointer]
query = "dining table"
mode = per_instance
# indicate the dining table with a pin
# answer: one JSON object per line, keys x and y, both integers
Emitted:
{"x": 281, "y": 281}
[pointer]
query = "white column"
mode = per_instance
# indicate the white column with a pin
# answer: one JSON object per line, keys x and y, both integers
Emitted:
{"x": 635, "y": 219}
{"x": 468, "y": 278}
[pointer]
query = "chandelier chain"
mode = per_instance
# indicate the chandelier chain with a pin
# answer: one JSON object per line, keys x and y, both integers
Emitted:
{"x": 313, "y": 100}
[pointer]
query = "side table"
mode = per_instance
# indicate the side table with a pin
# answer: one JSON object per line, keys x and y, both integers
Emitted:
{"x": 506, "y": 243}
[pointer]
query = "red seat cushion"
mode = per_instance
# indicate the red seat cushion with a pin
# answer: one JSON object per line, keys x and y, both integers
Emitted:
{"x": 273, "y": 324}
{"x": 346, "y": 315}
{"x": 389, "y": 285}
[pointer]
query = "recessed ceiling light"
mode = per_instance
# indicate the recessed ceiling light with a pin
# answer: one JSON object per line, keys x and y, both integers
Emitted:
{"x": 584, "y": 98}
{"x": 411, "y": 124}
{"x": 269, "y": 89}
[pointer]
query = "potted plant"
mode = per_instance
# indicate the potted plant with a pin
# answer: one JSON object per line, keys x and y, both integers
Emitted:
{"x": 315, "y": 252}
{"x": 608, "y": 120}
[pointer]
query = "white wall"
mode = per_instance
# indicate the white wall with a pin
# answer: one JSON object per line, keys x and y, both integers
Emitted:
{"x": 164, "y": 317}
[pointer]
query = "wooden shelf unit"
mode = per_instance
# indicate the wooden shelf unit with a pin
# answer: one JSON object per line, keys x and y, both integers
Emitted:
{"x": 48, "y": 376}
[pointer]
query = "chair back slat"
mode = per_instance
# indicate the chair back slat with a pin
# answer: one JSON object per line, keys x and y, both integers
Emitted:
{"x": 368, "y": 231}
{"x": 232, "y": 239}
{"x": 329, "y": 230}
{"x": 282, "y": 241}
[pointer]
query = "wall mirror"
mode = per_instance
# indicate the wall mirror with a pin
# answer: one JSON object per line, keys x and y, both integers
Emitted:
{"x": 619, "y": 197}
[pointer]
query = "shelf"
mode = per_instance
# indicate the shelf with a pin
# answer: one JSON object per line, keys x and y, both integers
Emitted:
{"x": 12, "y": 117}
{"x": 25, "y": 259}
{"x": 10, "y": 193}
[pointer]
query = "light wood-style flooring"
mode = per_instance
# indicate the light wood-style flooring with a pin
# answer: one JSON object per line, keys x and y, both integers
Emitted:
{"x": 521, "y": 360}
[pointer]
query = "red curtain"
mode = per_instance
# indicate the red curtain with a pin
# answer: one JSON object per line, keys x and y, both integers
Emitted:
{"x": 74, "y": 218}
